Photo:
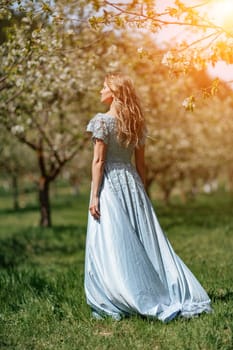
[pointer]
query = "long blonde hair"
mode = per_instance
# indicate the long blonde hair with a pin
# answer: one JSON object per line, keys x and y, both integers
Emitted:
{"x": 130, "y": 119}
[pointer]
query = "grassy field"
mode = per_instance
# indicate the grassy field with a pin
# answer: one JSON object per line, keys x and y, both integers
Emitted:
{"x": 42, "y": 302}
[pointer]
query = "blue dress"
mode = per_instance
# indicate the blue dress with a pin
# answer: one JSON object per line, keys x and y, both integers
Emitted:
{"x": 130, "y": 266}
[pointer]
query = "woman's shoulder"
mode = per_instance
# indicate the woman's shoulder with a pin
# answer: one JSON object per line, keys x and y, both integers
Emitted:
{"x": 101, "y": 118}
{"x": 105, "y": 116}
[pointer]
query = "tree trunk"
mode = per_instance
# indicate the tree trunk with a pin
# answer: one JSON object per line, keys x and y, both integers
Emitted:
{"x": 15, "y": 192}
{"x": 167, "y": 194}
{"x": 45, "y": 214}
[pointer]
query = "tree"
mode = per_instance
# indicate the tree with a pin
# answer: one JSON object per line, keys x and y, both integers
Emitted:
{"x": 56, "y": 55}
{"x": 185, "y": 149}
{"x": 16, "y": 160}
{"x": 46, "y": 84}
{"x": 210, "y": 41}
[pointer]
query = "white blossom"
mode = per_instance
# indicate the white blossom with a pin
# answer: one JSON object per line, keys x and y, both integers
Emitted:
{"x": 167, "y": 58}
{"x": 42, "y": 59}
{"x": 112, "y": 49}
{"x": 26, "y": 20}
{"x": 17, "y": 129}
{"x": 113, "y": 65}
{"x": 188, "y": 103}
{"x": 207, "y": 188}
{"x": 63, "y": 76}
{"x": 39, "y": 106}
{"x": 34, "y": 34}
{"x": 38, "y": 74}
{"x": 48, "y": 76}
{"x": 54, "y": 42}
{"x": 19, "y": 82}
{"x": 185, "y": 103}
{"x": 46, "y": 94}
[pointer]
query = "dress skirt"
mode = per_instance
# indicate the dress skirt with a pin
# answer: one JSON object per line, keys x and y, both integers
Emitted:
{"x": 130, "y": 266}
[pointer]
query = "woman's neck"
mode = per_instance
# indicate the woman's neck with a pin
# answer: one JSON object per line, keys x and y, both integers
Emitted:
{"x": 112, "y": 110}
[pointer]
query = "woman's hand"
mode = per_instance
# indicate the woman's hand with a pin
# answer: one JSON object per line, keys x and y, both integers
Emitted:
{"x": 94, "y": 208}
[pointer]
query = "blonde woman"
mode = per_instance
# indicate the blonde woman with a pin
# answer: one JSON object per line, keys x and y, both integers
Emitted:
{"x": 130, "y": 266}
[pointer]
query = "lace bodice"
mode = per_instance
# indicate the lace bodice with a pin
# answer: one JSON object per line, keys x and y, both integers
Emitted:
{"x": 103, "y": 126}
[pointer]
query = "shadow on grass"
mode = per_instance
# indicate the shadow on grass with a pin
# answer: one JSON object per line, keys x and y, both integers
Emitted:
{"x": 35, "y": 207}
{"x": 59, "y": 202}
{"x": 200, "y": 213}
{"x": 24, "y": 244}
{"x": 62, "y": 240}
{"x": 13, "y": 252}
{"x": 221, "y": 295}
{"x": 26, "y": 209}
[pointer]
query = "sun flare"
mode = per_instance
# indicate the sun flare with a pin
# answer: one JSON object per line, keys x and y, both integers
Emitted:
{"x": 221, "y": 12}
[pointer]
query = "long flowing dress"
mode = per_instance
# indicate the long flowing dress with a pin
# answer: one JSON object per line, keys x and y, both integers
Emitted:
{"x": 130, "y": 266}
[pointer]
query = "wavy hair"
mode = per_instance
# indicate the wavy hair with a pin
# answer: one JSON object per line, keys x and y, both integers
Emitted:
{"x": 130, "y": 119}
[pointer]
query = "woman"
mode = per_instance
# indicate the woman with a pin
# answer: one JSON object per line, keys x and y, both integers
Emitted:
{"x": 130, "y": 266}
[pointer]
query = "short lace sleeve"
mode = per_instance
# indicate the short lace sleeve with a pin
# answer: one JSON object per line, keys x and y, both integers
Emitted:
{"x": 98, "y": 127}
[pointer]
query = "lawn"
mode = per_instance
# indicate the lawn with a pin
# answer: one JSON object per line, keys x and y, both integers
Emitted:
{"x": 42, "y": 301}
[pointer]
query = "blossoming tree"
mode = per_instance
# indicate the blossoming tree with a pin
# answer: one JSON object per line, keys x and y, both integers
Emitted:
{"x": 47, "y": 79}
{"x": 53, "y": 58}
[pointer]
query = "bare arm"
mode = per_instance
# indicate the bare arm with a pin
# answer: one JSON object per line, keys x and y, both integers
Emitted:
{"x": 140, "y": 163}
{"x": 98, "y": 161}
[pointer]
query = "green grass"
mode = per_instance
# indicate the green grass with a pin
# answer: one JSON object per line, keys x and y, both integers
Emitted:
{"x": 42, "y": 301}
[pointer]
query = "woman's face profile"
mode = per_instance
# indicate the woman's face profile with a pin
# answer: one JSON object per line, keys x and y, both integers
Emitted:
{"x": 106, "y": 94}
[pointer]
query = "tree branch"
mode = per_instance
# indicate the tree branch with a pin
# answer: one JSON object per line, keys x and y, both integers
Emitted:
{"x": 21, "y": 138}
{"x": 4, "y": 86}
{"x": 200, "y": 40}
{"x": 155, "y": 19}
{"x": 3, "y": 78}
{"x": 16, "y": 94}
{"x": 43, "y": 133}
